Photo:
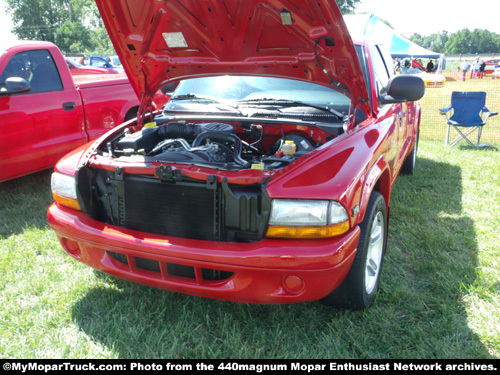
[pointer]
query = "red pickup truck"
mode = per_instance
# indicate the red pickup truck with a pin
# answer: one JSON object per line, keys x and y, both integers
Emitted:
{"x": 44, "y": 114}
{"x": 267, "y": 177}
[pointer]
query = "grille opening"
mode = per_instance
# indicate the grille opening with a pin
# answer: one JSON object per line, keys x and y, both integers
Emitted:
{"x": 122, "y": 258}
{"x": 173, "y": 269}
{"x": 215, "y": 275}
{"x": 180, "y": 270}
{"x": 147, "y": 264}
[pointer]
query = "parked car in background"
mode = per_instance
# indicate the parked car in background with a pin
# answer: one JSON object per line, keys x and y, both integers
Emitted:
{"x": 496, "y": 72}
{"x": 79, "y": 59}
{"x": 491, "y": 64}
{"x": 267, "y": 178}
{"x": 114, "y": 60}
{"x": 77, "y": 69}
{"x": 98, "y": 61}
{"x": 44, "y": 114}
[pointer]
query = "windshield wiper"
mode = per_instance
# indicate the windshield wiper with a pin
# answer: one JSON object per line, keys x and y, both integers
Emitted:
{"x": 293, "y": 103}
{"x": 202, "y": 98}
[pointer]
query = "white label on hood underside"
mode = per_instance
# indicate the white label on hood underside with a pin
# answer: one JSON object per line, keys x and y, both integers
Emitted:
{"x": 175, "y": 40}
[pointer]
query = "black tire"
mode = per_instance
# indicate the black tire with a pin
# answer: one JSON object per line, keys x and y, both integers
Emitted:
{"x": 360, "y": 286}
{"x": 410, "y": 162}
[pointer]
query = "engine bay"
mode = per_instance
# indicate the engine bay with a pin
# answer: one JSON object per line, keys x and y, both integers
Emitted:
{"x": 220, "y": 145}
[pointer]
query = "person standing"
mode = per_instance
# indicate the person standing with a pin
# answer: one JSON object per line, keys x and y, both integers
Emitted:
{"x": 464, "y": 67}
{"x": 474, "y": 69}
{"x": 481, "y": 69}
{"x": 397, "y": 65}
{"x": 430, "y": 67}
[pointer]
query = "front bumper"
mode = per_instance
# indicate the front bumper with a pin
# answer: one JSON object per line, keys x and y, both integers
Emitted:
{"x": 266, "y": 271}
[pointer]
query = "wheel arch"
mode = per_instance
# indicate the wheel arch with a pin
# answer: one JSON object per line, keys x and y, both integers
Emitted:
{"x": 130, "y": 114}
{"x": 377, "y": 179}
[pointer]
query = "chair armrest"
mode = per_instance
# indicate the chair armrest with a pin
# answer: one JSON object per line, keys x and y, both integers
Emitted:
{"x": 487, "y": 113}
{"x": 445, "y": 110}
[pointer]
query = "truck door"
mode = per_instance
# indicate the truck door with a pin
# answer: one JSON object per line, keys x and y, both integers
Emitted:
{"x": 402, "y": 112}
{"x": 389, "y": 114}
{"x": 40, "y": 126}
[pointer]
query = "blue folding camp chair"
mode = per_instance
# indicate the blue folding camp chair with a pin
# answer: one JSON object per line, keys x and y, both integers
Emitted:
{"x": 467, "y": 110}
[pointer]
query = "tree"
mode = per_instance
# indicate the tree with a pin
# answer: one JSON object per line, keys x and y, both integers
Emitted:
{"x": 461, "y": 42}
{"x": 74, "y": 25}
{"x": 347, "y": 6}
{"x": 36, "y": 19}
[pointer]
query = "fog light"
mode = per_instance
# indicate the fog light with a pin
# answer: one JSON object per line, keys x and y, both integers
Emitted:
{"x": 293, "y": 284}
{"x": 71, "y": 247}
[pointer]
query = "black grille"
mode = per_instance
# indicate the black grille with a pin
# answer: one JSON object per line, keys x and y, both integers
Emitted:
{"x": 176, "y": 206}
{"x": 169, "y": 209}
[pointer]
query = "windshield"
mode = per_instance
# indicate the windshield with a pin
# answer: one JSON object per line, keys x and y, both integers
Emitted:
{"x": 248, "y": 89}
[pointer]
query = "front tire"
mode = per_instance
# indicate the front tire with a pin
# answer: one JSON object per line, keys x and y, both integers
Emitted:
{"x": 360, "y": 286}
{"x": 410, "y": 162}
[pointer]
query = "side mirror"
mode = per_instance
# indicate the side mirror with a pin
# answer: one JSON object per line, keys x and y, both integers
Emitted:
{"x": 15, "y": 85}
{"x": 403, "y": 88}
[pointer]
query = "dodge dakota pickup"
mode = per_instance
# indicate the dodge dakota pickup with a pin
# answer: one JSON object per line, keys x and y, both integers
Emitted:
{"x": 44, "y": 113}
{"x": 267, "y": 177}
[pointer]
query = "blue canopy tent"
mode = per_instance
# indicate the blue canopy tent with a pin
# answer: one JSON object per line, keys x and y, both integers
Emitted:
{"x": 369, "y": 27}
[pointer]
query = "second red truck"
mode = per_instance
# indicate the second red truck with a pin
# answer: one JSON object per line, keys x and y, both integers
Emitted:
{"x": 44, "y": 114}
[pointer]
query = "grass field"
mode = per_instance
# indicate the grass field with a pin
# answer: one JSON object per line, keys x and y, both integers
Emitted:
{"x": 439, "y": 297}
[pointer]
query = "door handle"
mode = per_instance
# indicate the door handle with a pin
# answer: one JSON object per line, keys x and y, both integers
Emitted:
{"x": 69, "y": 106}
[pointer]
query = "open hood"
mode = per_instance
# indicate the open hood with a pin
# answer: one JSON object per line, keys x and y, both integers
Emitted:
{"x": 164, "y": 40}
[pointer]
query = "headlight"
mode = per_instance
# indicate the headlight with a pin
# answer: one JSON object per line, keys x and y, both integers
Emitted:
{"x": 64, "y": 190}
{"x": 307, "y": 219}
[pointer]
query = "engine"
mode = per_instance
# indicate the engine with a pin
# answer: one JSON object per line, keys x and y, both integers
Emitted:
{"x": 217, "y": 145}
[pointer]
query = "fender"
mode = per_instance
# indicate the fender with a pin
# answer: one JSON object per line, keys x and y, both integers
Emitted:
{"x": 416, "y": 126}
{"x": 377, "y": 178}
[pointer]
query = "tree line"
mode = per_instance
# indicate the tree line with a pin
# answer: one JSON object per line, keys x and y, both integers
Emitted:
{"x": 461, "y": 42}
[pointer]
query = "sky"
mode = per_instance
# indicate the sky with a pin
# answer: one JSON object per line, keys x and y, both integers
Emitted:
{"x": 406, "y": 17}
{"x": 5, "y": 26}
{"x": 427, "y": 17}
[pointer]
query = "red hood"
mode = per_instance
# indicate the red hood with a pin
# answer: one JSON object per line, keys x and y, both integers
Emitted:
{"x": 162, "y": 40}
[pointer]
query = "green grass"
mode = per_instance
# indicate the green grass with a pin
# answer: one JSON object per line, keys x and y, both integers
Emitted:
{"x": 439, "y": 294}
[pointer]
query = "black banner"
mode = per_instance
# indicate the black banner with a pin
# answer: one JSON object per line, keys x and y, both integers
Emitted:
{"x": 23, "y": 366}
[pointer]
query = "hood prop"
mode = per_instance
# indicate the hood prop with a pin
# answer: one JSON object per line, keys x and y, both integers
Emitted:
{"x": 146, "y": 104}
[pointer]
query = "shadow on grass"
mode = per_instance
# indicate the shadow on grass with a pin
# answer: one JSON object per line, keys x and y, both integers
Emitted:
{"x": 482, "y": 147}
{"x": 24, "y": 202}
{"x": 419, "y": 313}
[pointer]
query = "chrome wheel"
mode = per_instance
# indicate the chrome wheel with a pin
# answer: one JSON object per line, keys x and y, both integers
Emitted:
{"x": 359, "y": 288}
{"x": 374, "y": 253}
